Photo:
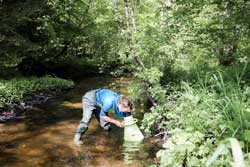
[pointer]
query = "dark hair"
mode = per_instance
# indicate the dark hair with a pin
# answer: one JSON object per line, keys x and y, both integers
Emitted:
{"x": 125, "y": 102}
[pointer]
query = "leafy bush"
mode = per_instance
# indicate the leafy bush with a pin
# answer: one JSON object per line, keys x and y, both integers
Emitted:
{"x": 185, "y": 148}
{"x": 198, "y": 117}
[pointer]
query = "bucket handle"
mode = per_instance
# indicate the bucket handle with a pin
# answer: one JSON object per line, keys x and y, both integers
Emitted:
{"x": 135, "y": 120}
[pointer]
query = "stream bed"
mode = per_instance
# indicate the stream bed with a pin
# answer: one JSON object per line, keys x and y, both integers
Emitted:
{"x": 43, "y": 136}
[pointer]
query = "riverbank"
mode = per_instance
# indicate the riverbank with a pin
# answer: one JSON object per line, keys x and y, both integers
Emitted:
{"x": 17, "y": 95}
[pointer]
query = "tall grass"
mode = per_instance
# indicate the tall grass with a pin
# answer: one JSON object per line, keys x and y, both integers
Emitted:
{"x": 234, "y": 103}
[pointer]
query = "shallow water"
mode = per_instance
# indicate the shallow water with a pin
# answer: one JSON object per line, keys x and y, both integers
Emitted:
{"x": 43, "y": 137}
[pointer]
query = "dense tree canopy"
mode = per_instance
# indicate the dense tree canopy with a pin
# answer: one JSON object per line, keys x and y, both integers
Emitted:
{"x": 173, "y": 31}
{"x": 189, "y": 57}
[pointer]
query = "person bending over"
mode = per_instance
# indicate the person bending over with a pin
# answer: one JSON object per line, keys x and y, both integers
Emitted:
{"x": 99, "y": 102}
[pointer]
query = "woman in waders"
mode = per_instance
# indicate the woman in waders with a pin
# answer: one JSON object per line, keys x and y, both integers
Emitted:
{"x": 99, "y": 102}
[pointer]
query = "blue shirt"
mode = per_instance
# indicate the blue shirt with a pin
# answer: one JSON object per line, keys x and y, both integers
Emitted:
{"x": 108, "y": 100}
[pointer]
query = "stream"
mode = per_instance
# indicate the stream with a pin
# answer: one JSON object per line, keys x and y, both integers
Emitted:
{"x": 43, "y": 136}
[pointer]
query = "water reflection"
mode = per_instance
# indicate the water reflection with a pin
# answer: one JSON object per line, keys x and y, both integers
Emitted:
{"x": 131, "y": 151}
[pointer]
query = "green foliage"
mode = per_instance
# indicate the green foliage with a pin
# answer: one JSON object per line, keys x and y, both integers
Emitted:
{"x": 136, "y": 92}
{"x": 19, "y": 90}
{"x": 175, "y": 41}
{"x": 238, "y": 159}
{"x": 186, "y": 148}
{"x": 83, "y": 29}
{"x": 200, "y": 115}
{"x": 150, "y": 119}
{"x": 151, "y": 75}
{"x": 53, "y": 32}
{"x": 188, "y": 37}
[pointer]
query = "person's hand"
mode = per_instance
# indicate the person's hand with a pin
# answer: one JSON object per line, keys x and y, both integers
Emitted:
{"x": 119, "y": 124}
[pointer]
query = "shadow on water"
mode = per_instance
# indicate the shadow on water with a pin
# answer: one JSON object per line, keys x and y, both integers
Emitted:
{"x": 43, "y": 138}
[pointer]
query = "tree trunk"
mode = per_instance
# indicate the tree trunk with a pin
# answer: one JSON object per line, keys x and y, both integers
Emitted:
{"x": 133, "y": 18}
{"x": 137, "y": 60}
{"x": 127, "y": 15}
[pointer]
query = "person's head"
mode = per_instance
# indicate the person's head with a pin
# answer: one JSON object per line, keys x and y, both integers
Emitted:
{"x": 125, "y": 105}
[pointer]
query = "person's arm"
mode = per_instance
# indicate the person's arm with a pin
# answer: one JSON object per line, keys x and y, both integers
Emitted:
{"x": 116, "y": 122}
{"x": 107, "y": 105}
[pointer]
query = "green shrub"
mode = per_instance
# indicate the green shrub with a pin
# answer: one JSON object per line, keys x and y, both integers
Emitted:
{"x": 198, "y": 117}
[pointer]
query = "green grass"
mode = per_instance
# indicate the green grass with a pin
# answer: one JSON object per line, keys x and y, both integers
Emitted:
{"x": 18, "y": 90}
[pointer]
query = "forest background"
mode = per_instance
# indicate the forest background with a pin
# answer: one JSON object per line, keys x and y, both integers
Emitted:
{"x": 188, "y": 58}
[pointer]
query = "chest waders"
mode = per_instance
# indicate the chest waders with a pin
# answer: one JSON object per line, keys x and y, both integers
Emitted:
{"x": 90, "y": 107}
